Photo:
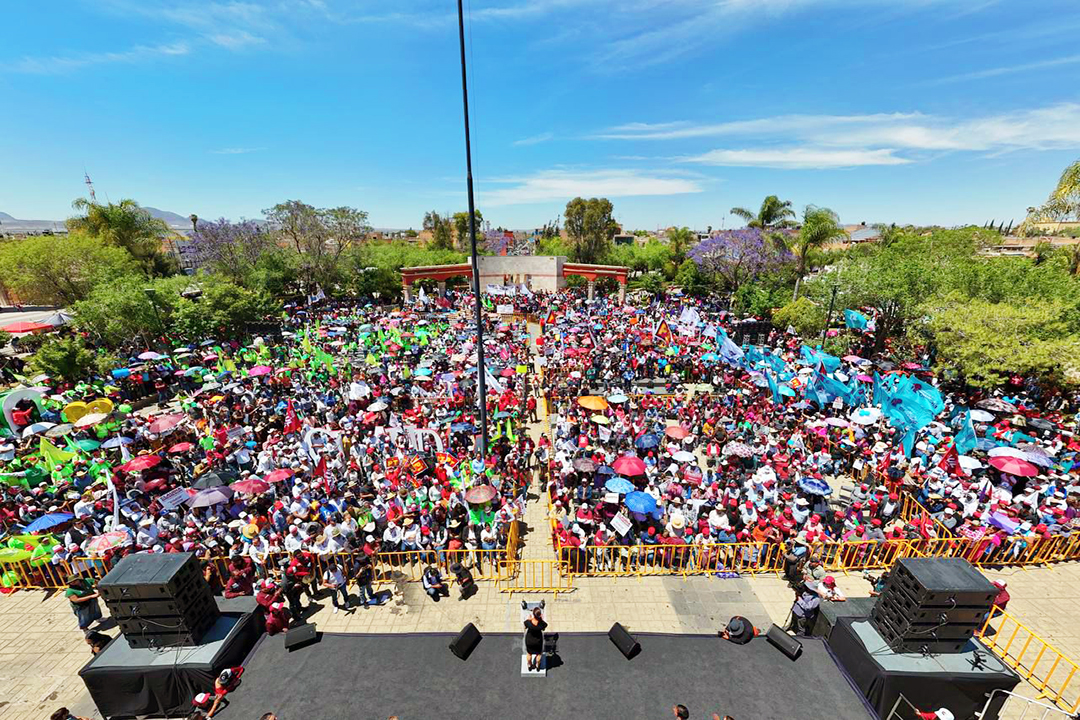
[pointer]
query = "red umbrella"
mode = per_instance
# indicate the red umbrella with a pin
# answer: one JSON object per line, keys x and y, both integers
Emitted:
{"x": 1014, "y": 466}
{"x": 676, "y": 432}
{"x": 252, "y": 486}
{"x": 277, "y": 476}
{"x": 155, "y": 484}
{"x": 165, "y": 423}
{"x": 507, "y": 372}
{"x": 629, "y": 465}
{"x": 180, "y": 448}
{"x": 142, "y": 462}
{"x": 25, "y": 327}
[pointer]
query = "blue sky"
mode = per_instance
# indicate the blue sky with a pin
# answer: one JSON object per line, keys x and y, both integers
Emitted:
{"x": 926, "y": 111}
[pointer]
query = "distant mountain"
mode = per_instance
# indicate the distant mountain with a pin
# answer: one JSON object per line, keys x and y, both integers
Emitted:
{"x": 9, "y": 224}
{"x": 171, "y": 219}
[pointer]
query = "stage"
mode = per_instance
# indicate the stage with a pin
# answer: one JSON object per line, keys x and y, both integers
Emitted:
{"x": 415, "y": 676}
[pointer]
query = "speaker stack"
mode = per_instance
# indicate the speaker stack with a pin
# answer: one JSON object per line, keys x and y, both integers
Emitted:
{"x": 159, "y": 600}
{"x": 932, "y": 605}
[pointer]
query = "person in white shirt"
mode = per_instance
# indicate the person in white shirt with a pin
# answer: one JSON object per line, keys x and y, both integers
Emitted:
{"x": 334, "y": 579}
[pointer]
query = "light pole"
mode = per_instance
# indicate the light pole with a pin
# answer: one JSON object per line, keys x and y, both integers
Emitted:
{"x": 828, "y": 317}
{"x": 481, "y": 380}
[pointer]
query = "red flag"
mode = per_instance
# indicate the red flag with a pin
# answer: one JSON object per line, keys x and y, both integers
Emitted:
{"x": 883, "y": 467}
{"x": 320, "y": 469}
{"x": 951, "y": 462}
{"x": 292, "y": 423}
{"x": 550, "y": 320}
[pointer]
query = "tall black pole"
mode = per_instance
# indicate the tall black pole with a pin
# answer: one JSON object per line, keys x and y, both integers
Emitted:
{"x": 481, "y": 380}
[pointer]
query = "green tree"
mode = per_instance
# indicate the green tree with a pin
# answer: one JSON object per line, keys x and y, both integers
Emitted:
{"x": 461, "y": 228}
{"x": 441, "y": 229}
{"x": 804, "y": 315}
{"x": 67, "y": 358}
{"x": 590, "y": 226}
{"x": 55, "y": 271}
{"x": 773, "y": 214}
{"x": 127, "y": 225}
{"x": 650, "y": 282}
{"x": 987, "y": 342}
{"x": 5, "y": 338}
{"x": 319, "y": 237}
{"x": 680, "y": 240}
{"x": 820, "y": 226}
{"x": 222, "y": 310}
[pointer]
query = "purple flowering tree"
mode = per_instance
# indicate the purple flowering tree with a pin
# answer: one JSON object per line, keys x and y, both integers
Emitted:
{"x": 736, "y": 257}
{"x": 230, "y": 248}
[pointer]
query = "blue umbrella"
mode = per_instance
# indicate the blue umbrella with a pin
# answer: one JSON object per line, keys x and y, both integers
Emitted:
{"x": 461, "y": 427}
{"x": 115, "y": 442}
{"x": 619, "y": 485}
{"x": 985, "y": 445}
{"x": 646, "y": 441}
{"x": 814, "y": 486}
{"x": 605, "y": 470}
{"x": 49, "y": 520}
{"x": 121, "y": 373}
{"x": 641, "y": 502}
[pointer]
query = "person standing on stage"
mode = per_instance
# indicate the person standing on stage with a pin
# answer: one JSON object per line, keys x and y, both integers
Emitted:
{"x": 534, "y": 638}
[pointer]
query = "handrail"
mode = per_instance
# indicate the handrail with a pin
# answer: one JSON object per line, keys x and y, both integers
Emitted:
{"x": 1038, "y": 662}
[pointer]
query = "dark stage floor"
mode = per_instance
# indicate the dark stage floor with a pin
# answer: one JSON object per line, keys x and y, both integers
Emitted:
{"x": 371, "y": 677}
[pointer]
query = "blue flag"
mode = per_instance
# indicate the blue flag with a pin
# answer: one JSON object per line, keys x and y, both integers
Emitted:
{"x": 909, "y": 442}
{"x": 880, "y": 395}
{"x": 855, "y": 320}
{"x": 773, "y": 387}
{"x": 731, "y": 353}
{"x": 966, "y": 440}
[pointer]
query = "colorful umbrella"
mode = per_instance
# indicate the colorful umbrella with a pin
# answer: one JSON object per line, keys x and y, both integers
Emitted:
{"x": 251, "y": 486}
{"x": 738, "y": 449}
{"x": 140, "y": 463}
{"x": 90, "y": 420}
{"x": 25, "y": 327}
{"x": 100, "y": 544}
{"x": 584, "y": 465}
{"x": 210, "y": 496}
{"x": 640, "y": 502}
{"x": 676, "y": 432}
{"x": 277, "y": 475}
{"x": 683, "y": 457}
{"x": 180, "y": 448}
{"x": 646, "y": 441}
{"x": 1014, "y": 466}
{"x": 629, "y": 465}
{"x": 480, "y": 494}
{"x": 165, "y": 423}
{"x": 260, "y": 370}
{"x": 593, "y": 402}
{"x": 619, "y": 485}
{"x": 59, "y": 430}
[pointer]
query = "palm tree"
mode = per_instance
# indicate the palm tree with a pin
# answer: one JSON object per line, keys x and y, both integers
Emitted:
{"x": 820, "y": 226}
{"x": 679, "y": 240}
{"x": 127, "y": 225}
{"x": 773, "y": 215}
{"x": 1068, "y": 187}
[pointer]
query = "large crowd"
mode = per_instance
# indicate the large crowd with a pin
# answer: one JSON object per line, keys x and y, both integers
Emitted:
{"x": 304, "y": 458}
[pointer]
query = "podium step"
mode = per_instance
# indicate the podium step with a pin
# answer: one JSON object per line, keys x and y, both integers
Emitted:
{"x": 526, "y": 672}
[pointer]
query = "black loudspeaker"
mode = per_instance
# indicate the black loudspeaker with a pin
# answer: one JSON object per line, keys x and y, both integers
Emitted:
{"x": 784, "y": 643}
{"x": 623, "y": 640}
{"x": 301, "y": 636}
{"x": 932, "y": 605}
{"x": 466, "y": 641}
{"x": 159, "y": 600}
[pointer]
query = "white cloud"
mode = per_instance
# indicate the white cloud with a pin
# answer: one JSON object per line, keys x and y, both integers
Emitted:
{"x": 1006, "y": 70}
{"x": 535, "y": 139}
{"x": 63, "y": 63}
{"x": 797, "y": 158}
{"x": 561, "y": 185}
{"x": 875, "y": 139}
{"x": 236, "y": 151}
{"x": 236, "y": 40}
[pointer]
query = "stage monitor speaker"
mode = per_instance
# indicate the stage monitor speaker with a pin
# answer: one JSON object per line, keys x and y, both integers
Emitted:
{"x": 784, "y": 643}
{"x": 623, "y": 640}
{"x": 301, "y": 636}
{"x": 932, "y": 605}
{"x": 466, "y": 641}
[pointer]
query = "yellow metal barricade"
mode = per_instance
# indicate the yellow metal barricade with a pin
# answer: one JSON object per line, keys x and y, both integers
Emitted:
{"x": 1038, "y": 662}
{"x": 535, "y": 576}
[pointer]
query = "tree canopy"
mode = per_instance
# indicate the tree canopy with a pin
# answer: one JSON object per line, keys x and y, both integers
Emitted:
{"x": 131, "y": 227}
{"x": 773, "y": 214}
{"x": 590, "y": 226}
